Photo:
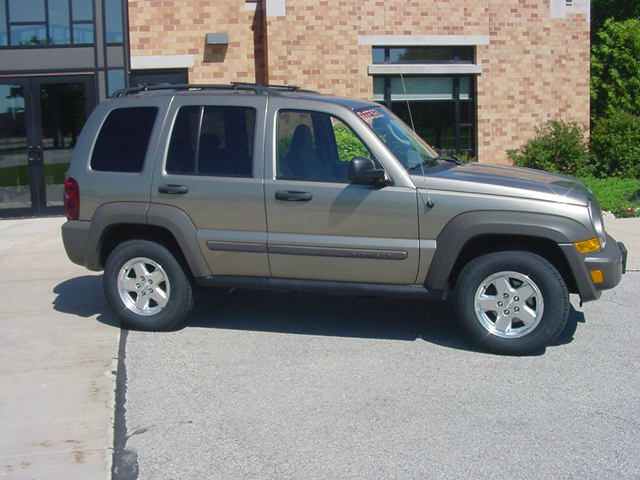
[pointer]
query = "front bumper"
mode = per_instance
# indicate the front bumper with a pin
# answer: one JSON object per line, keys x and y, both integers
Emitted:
{"x": 612, "y": 261}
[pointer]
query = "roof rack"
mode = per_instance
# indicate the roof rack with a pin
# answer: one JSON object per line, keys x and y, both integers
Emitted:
{"x": 258, "y": 89}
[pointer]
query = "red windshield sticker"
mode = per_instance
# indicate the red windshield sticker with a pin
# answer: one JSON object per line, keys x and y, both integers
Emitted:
{"x": 370, "y": 114}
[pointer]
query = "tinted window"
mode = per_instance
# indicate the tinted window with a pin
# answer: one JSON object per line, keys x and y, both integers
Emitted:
{"x": 316, "y": 146}
{"x": 123, "y": 140}
{"x": 113, "y": 20}
{"x": 214, "y": 141}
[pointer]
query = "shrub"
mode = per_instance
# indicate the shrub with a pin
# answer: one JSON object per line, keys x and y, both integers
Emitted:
{"x": 618, "y": 195}
{"x": 557, "y": 147}
{"x": 615, "y": 146}
{"x": 349, "y": 145}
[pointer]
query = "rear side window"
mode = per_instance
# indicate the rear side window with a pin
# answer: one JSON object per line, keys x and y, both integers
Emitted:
{"x": 123, "y": 140}
{"x": 216, "y": 141}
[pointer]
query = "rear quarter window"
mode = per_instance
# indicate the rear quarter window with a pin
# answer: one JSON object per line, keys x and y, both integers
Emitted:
{"x": 123, "y": 140}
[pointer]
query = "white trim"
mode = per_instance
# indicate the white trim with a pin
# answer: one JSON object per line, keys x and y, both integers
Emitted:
{"x": 276, "y": 8}
{"x": 558, "y": 8}
{"x": 425, "y": 69}
{"x": 150, "y": 62}
{"x": 250, "y": 6}
{"x": 580, "y": 6}
{"x": 423, "y": 40}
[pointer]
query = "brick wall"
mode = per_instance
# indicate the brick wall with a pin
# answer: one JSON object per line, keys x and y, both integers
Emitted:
{"x": 534, "y": 68}
{"x": 178, "y": 27}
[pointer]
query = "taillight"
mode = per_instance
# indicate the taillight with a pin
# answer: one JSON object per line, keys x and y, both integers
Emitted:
{"x": 71, "y": 199}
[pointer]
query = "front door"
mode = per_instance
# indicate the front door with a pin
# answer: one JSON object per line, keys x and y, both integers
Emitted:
{"x": 40, "y": 120}
{"x": 323, "y": 227}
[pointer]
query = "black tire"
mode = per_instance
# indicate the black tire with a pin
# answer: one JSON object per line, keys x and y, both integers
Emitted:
{"x": 180, "y": 299}
{"x": 550, "y": 283}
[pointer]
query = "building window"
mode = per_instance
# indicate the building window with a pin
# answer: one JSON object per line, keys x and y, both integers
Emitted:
{"x": 46, "y": 22}
{"x": 158, "y": 77}
{"x": 442, "y": 107}
{"x": 114, "y": 26}
{"x": 432, "y": 55}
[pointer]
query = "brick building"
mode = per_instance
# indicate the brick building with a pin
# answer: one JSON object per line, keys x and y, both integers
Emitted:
{"x": 476, "y": 76}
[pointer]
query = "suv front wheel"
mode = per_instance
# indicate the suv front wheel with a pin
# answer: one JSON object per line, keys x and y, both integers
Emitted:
{"x": 146, "y": 286}
{"x": 512, "y": 302}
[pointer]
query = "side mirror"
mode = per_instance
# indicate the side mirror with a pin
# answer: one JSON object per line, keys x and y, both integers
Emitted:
{"x": 363, "y": 171}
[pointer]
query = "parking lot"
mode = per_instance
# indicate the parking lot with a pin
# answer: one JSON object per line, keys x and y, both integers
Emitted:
{"x": 295, "y": 386}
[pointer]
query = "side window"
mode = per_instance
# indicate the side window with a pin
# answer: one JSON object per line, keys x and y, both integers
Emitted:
{"x": 315, "y": 146}
{"x": 216, "y": 141}
{"x": 123, "y": 140}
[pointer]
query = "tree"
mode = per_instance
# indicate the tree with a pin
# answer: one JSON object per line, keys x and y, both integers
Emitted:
{"x": 615, "y": 68}
{"x": 616, "y": 9}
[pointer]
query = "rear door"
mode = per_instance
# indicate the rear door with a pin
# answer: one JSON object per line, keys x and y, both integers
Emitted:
{"x": 321, "y": 227}
{"x": 212, "y": 169}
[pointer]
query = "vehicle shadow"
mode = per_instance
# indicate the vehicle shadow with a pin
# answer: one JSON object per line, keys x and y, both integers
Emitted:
{"x": 300, "y": 314}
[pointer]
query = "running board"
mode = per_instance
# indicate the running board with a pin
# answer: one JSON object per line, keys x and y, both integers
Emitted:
{"x": 319, "y": 286}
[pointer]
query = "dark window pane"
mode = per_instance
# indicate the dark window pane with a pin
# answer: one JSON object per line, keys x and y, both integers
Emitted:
{"x": 28, "y": 34}
{"x": 152, "y": 77}
{"x": 466, "y": 139}
{"x": 224, "y": 146}
{"x": 181, "y": 157}
{"x": 122, "y": 143}
{"x": 82, "y": 9}
{"x": 26, "y": 11}
{"x": 226, "y": 141}
{"x": 82, "y": 33}
{"x": 62, "y": 111}
{"x": 434, "y": 121}
{"x": 466, "y": 112}
{"x": 113, "y": 21}
{"x": 59, "y": 27}
{"x": 3, "y": 24}
{"x": 315, "y": 146}
{"x": 431, "y": 54}
{"x": 378, "y": 55}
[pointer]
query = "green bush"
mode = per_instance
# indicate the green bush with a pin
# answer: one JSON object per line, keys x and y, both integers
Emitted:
{"x": 615, "y": 146}
{"x": 349, "y": 145}
{"x": 557, "y": 147}
{"x": 618, "y": 195}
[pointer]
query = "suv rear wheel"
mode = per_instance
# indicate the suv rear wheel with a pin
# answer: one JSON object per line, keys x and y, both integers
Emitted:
{"x": 146, "y": 286}
{"x": 512, "y": 302}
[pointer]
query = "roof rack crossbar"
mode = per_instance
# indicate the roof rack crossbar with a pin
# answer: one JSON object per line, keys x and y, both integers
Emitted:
{"x": 234, "y": 86}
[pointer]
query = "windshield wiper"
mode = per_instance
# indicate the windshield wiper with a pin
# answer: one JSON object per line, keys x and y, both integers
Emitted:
{"x": 451, "y": 159}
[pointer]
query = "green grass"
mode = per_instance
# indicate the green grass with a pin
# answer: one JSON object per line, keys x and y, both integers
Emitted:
{"x": 19, "y": 175}
{"x": 618, "y": 195}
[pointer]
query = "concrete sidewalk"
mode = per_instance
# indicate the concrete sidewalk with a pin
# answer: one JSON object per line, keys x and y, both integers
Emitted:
{"x": 55, "y": 362}
{"x": 627, "y": 230}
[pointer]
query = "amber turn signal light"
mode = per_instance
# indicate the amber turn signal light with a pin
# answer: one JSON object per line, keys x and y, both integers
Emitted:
{"x": 588, "y": 246}
{"x": 597, "y": 276}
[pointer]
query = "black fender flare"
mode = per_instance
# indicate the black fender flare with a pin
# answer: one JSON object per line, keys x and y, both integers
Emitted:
{"x": 470, "y": 225}
{"x": 173, "y": 219}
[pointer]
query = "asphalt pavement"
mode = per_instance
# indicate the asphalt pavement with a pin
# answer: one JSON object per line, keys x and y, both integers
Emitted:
{"x": 294, "y": 386}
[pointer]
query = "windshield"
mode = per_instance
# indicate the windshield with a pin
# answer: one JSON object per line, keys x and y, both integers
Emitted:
{"x": 410, "y": 150}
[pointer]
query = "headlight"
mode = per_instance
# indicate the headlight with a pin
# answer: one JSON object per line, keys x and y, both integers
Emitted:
{"x": 595, "y": 213}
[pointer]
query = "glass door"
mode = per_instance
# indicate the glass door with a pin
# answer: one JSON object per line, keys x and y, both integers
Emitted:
{"x": 40, "y": 120}
{"x": 61, "y": 110}
{"x": 16, "y": 194}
